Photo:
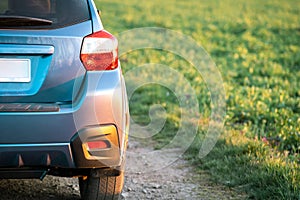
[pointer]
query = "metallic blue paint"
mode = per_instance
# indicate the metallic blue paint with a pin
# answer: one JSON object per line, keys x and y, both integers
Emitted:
{"x": 38, "y": 74}
{"x": 96, "y": 22}
{"x": 65, "y": 65}
{"x": 58, "y": 77}
{"x": 26, "y": 49}
{"x": 32, "y": 129}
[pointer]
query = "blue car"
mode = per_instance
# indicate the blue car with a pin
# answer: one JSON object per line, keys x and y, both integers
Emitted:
{"x": 63, "y": 103}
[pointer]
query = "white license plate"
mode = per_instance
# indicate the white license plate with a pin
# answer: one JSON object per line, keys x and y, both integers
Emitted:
{"x": 15, "y": 70}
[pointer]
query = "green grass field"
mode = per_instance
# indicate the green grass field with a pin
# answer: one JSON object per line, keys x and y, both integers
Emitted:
{"x": 256, "y": 46}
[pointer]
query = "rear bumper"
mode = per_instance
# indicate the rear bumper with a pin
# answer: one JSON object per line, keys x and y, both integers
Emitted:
{"x": 65, "y": 155}
{"x": 54, "y": 139}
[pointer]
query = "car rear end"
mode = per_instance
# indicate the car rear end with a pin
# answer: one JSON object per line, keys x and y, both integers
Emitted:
{"x": 63, "y": 106}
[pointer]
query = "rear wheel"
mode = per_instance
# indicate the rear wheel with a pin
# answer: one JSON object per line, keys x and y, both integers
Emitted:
{"x": 101, "y": 188}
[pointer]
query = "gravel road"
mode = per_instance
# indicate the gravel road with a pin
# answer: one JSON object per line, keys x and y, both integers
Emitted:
{"x": 176, "y": 181}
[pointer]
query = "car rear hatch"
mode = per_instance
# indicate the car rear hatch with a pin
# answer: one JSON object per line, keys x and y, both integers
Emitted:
{"x": 40, "y": 52}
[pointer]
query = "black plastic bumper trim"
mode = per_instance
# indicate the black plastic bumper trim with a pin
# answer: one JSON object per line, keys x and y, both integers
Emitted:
{"x": 35, "y": 155}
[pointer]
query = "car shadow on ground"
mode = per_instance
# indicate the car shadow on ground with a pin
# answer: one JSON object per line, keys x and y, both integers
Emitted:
{"x": 51, "y": 188}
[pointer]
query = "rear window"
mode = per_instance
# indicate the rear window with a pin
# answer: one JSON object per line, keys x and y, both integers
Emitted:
{"x": 42, "y": 13}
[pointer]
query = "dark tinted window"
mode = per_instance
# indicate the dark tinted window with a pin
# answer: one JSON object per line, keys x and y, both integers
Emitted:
{"x": 42, "y": 13}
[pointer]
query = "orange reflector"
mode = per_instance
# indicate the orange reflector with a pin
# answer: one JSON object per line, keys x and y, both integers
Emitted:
{"x": 98, "y": 145}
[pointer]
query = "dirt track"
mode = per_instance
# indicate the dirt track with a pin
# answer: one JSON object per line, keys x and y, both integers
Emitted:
{"x": 177, "y": 181}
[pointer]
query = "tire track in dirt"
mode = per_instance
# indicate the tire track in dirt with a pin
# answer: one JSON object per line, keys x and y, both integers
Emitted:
{"x": 176, "y": 181}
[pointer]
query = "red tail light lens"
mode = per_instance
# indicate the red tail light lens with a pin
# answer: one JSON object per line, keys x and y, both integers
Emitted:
{"x": 100, "y": 52}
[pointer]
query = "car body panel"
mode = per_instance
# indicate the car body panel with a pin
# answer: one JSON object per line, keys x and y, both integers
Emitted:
{"x": 55, "y": 83}
{"x": 37, "y": 142}
{"x": 102, "y": 102}
{"x": 97, "y": 24}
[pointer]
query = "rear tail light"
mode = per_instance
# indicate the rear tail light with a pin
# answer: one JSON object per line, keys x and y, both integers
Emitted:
{"x": 99, "y": 52}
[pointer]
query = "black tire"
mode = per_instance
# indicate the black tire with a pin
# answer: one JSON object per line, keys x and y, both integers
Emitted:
{"x": 103, "y": 188}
